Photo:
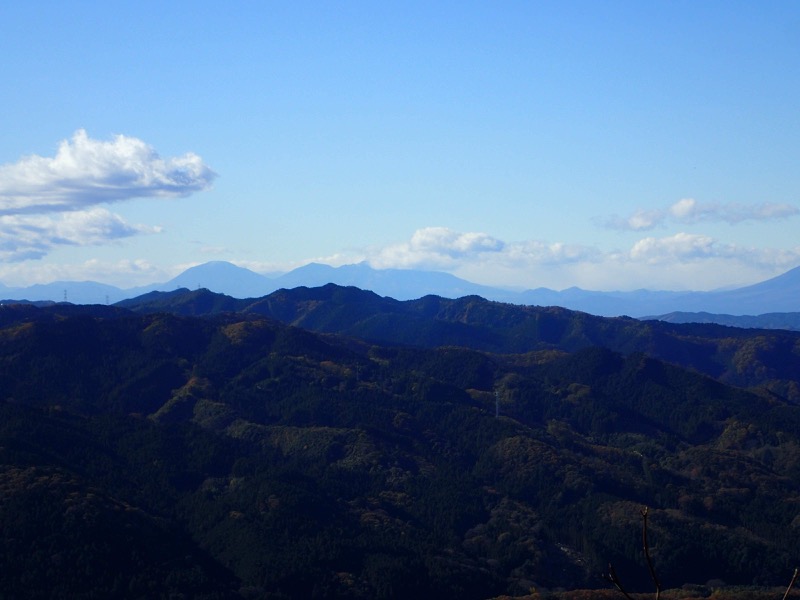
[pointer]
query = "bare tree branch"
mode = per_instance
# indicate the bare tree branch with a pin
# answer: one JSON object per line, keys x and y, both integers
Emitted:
{"x": 647, "y": 556}
{"x": 791, "y": 584}
{"x": 611, "y": 577}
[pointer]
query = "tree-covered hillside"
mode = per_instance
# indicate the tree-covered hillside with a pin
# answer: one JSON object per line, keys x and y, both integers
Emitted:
{"x": 758, "y": 358}
{"x": 156, "y": 455}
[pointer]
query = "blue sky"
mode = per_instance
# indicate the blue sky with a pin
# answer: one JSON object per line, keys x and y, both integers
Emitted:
{"x": 608, "y": 145}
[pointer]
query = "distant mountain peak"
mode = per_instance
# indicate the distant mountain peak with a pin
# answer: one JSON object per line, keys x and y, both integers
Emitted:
{"x": 219, "y": 266}
{"x": 780, "y": 294}
{"x": 789, "y": 279}
{"x": 223, "y": 277}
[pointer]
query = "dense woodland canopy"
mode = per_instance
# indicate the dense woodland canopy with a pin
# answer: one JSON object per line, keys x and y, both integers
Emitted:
{"x": 373, "y": 449}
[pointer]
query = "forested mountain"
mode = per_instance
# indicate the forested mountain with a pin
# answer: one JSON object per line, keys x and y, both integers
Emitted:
{"x": 233, "y": 455}
{"x": 742, "y": 357}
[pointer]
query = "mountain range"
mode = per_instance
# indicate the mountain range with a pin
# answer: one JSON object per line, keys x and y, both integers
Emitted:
{"x": 330, "y": 442}
{"x": 730, "y": 354}
{"x": 780, "y": 294}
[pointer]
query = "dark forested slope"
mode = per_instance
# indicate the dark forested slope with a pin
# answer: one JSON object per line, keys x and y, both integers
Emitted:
{"x": 743, "y": 357}
{"x": 233, "y": 455}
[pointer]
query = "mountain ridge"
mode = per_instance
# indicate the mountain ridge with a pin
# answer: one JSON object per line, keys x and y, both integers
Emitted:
{"x": 780, "y": 294}
{"x": 731, "y": 354}
{"x": 293, "y": 463}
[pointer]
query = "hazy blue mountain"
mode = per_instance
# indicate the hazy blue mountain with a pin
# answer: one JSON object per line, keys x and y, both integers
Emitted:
{"x": 238, "y": 282}
{"x": 218, "y": 276}
{"x": 777, "y": 295}
{"x": 310, "y": 275}
{"x": 400, "y": 284}
{"x": 789, "y": 320}
{"x": 225, "y": 278}
{"x": 77, "y": 292}
{"x": 608, "y": 304}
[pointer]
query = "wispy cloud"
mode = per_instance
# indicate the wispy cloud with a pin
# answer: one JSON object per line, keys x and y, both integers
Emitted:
{"x": 689, "y": 211}
{"x": 85, "y": 172}
{"x": 24, "y": 237}
{"x": 122, "y": 273}
{"x": 548, "y": 253}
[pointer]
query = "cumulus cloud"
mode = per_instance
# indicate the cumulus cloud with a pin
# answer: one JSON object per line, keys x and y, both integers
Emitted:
{"x": 681, "y": 246}
{"x": 436, "y": 247}
{"x": 689, "y": 211}
{"x": 447, "y": 241}
{"x": 85, "y": 172}
{"x": 680, "y": 261}
{"x": 672, "y": 262}
{"x": 49, "y": 202}
{"x": 443, "y": 248}
{"x": 24, "y": 237}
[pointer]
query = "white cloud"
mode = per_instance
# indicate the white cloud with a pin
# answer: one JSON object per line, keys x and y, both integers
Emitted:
{"x": 435, "y": 248}
{"x": 86, "y": 172}
{"x": 443, "y": 248}
{"x": 446, "y": 241}
{"x": 680, "y": 261}
{"x": 641, "y": 220}
{"x": 683, "y": 208}
{"x": 548, "y": 253}
{"x": 50, "y": 202}
{"x": 123, "y": 273}
{"x": 24, "y": 237}
{"x": 689, "y": 211}
{"x": 681, "y": 246}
